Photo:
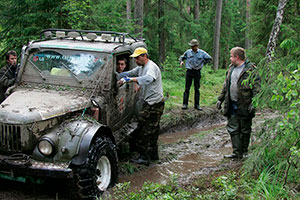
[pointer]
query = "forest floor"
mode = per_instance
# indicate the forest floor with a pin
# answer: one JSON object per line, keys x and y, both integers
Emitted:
{"x": 193, "y": 151}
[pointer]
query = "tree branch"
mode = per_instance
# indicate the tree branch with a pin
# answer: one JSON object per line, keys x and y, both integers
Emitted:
{"x": 289, "y": 163}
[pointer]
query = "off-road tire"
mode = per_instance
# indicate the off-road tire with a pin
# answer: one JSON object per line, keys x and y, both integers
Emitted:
{"x": 102, "y": 158}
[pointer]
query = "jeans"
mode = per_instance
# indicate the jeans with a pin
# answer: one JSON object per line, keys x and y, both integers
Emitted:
{"x": 192, "y": 74}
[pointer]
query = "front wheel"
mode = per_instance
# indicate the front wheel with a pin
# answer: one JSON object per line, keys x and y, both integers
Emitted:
{"x": 100, "y": 170}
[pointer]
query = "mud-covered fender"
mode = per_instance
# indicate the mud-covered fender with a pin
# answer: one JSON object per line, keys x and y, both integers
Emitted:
{"x": 72, "y": 140}
{"x": 86, "y": 141}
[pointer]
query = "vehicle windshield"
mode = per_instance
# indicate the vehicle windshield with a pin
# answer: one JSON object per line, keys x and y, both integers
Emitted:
{"x": 78, "y": 64}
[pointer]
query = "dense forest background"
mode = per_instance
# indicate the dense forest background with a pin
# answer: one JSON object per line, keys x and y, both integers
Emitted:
{"x": 167, "y": 25}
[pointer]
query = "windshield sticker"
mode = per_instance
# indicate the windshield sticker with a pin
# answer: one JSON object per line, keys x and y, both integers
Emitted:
{"x": 63, "y": 63}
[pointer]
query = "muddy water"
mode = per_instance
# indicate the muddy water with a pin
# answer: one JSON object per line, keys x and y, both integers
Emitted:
{"x": 185, "y": 154}
{"x": 191, "y": 153}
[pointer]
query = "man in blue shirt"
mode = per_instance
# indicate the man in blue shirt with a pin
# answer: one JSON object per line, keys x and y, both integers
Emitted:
{"x": 195, "y": 59}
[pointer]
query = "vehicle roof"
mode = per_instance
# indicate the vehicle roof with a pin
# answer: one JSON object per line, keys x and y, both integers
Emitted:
{"x": 87, "y": 40}
{"x": 86, "y": 45}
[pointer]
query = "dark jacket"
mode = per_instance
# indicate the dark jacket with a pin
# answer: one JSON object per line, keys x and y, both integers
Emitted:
{"x": 7, "y": 79}
{"x": 245, "y": 91}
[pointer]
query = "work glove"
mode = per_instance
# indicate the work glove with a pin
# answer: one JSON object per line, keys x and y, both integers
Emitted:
{"x": 219, "y": 105}
{"x": 124, "y": 80}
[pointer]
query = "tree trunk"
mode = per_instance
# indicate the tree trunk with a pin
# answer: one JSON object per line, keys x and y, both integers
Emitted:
{"x": 247, "y": 35}
{"x": 138, "y": 16}
{"x": 196, "y": 10}
{"x": 128, "y": 14}
{"x": 216, "y": 48}
{"x": 275, "y": 30}
{"x": 161, "y": 32}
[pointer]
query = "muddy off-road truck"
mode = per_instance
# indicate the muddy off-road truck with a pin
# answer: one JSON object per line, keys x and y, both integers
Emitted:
{"x": 66, "y": 115}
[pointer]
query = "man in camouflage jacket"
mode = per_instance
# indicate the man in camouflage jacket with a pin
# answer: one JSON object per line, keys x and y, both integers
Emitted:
{"x": 8, "y": 74}
{"x": 237, "y": 95}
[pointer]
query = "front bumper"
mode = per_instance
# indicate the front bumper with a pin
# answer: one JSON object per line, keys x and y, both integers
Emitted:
{"x": 29, "y": 167}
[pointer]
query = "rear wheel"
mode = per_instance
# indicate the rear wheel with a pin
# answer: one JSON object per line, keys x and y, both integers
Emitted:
{"x": 100, "y": 170}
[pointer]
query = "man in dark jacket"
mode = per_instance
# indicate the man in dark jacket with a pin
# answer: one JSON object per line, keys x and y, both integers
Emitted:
{"x": 8, "y": 74}
{"x": 237, "y": 96}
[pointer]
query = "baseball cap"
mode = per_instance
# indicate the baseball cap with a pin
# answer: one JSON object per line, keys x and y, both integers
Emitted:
{"x": 139, "y": 51}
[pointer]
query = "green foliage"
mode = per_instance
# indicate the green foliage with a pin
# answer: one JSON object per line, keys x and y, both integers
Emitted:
{"x": 276, "y": 158}
{"x": 227, "y": 185}
{"x": 154, "y": 191}
{"x": 128, "y": 168}
{"x": 21, "y": 21}
{"x": 78, "y": 11}
{"x": 266, "y": 186}
{"x": 262, "y": 18}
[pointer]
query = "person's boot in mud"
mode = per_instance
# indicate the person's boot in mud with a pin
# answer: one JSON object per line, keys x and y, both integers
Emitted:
{"x": 141, "y": 160}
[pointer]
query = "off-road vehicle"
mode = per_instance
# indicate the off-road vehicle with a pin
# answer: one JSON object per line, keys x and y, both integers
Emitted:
{"x": 66, "y": 115}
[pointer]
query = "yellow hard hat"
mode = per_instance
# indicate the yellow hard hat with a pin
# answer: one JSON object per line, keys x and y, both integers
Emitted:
{"x": 139, "y": 51}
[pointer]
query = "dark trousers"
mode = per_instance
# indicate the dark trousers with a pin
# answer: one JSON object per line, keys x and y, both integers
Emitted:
{"x": 239, "y": 130}
{"x": 144, "y": 139}
{"x": 192, "y": 74}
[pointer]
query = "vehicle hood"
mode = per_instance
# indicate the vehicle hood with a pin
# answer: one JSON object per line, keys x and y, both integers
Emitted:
{"x": 30, "y": 105}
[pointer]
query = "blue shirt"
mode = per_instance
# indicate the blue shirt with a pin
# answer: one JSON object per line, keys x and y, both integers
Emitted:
{"x": 195, "y": 60}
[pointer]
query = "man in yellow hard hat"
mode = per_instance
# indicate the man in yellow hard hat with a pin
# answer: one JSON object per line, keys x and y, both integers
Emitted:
{"x": 148, "y": 76}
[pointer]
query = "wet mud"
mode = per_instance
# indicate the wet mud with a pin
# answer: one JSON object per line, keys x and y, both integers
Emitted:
{"x": 191, "y": 153}
{"x": 185, "y": 154}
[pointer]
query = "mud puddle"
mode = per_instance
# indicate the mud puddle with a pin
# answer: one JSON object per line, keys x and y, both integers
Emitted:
{"x": 185, "y": 154}
{"x": 191, "y": 153}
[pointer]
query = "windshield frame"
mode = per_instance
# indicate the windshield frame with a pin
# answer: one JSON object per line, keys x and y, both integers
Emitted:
{"x": 33, "y": 74}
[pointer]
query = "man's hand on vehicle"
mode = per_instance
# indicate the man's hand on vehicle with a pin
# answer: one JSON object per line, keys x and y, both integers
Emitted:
{"x": 124, "y": 80}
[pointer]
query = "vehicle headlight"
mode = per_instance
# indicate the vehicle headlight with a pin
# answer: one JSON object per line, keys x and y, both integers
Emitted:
{"x": 46, "y": 146}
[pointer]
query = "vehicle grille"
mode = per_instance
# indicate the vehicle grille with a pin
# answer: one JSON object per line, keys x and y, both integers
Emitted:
{"x": 10, "y": 137}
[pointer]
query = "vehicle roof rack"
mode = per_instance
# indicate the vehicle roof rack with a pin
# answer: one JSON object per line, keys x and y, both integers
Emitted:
{"x": 116, "y": 36}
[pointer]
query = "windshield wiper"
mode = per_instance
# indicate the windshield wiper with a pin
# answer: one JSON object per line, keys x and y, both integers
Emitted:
{"x": 73, "y": 74}
{"x": 37, "y": 69}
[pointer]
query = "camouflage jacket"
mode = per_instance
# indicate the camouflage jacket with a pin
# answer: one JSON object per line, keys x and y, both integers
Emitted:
{"x": 7, "y": 79}
{"x": 246, "y": 91}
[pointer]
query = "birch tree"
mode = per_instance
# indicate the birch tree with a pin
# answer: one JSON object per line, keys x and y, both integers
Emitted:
{"x": 275, "y": 30}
